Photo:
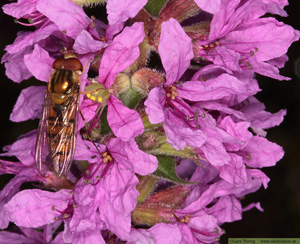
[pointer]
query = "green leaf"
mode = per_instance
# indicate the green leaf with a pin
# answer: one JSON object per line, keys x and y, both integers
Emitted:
{"x": 153, "y": 7}
{"x": 166, "y": 170}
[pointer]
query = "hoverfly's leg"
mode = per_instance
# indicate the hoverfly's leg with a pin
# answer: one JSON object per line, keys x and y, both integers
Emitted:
{"x": 88, "y": 134}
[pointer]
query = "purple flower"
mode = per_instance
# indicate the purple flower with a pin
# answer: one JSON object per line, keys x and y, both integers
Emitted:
{"x": 119, "y": 12}
{"x": 122, "y": 52}
{"x": 162, "y": 105}
{"x": 240, "y": 40}
{"x": 173, "y": 146}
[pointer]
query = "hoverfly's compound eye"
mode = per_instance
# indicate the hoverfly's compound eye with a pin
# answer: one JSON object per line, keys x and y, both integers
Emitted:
{"x": 72, "y": 64}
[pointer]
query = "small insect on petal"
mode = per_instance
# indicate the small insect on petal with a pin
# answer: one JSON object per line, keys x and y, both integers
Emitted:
{"x": 97, "y": 92}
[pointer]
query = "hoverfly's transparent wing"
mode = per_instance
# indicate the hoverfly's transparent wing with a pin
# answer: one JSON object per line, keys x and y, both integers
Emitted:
{"x": 62, "y": 144}
{"x": 41, "y": 147}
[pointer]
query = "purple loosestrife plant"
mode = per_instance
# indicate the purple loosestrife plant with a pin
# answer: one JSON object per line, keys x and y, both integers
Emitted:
{"x": 171, "y": 136}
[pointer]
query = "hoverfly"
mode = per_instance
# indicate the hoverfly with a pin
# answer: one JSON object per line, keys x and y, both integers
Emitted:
{"x": 56, "y": 139}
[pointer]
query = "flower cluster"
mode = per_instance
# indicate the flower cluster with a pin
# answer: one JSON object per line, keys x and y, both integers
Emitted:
{"x": 171, "y": 136}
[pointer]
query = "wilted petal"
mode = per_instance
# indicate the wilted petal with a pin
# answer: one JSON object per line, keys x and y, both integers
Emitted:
{"x": 155, "y": 105}
{"x": 29, "y": 104}
{"x": 210, "y": 6}
{"x": 34, "y": 208}
{"x": 118, "y": 12}
{"x": 262, "y": 153}
{"x": 85, "y": 43}
{"x": 175, "y": 49}
{"x": 68, "y": 16}
{"x": 39, "y": 63}
{"x": 21, "y": 8}
{"x": 124, "y": 122}
{"x": 131, "y": 157}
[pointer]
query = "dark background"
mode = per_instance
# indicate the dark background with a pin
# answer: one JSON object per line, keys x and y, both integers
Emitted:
{"x": 281, "y": 200}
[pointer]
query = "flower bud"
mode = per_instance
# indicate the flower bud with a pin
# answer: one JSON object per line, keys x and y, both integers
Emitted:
{"x": 159, "y": 207}
{"x": 145, "y": 79}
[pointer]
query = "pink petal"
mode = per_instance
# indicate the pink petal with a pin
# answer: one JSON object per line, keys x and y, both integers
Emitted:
{"x": 215, "y": 152}
{"x": 39, "y": 63}
{"x": 140, "y": 236}
{"x": 15, "y": 68}
{"x": 124, "y": 122}
{"x": 23, "y": 148}
{"x": 131, "y": 157}
{"x": 256, "y": 114}
{"x": 88, "y": 109}
{"x": 210, "y": 6}
{"x": 85, "y": 150}
{"x": 118, "y": 12}
{"x": 10, "y": 189}
{"x": 119, "y": 194}
{"x": 121, "y": 53}
{"x": 179, "y": 134}
{"x": 68, "y": 16}
{"x": 223, "y": 188}
{"x": 232, "y": 14}
{"x": 175, "y": 49}
{"x": 227, "y": 209}
{"x": 266, "y": 69}
{"x": 262, "y": 153}
{"x": 21, "y": 8}
{"x": 235, "y": 171}
{"x": 30, "y": 38}
{"x": 216, "y": 88}
{"x": 155, "y": 105}
{"x": 33, "y": 208}
{"x": 14, "y": 238}
{"x": 271, "y": 38}
{"x": 166, "y": 233}
{"x": 238, "y": 131}
{"x": 253, "y": 205}
{"x": 29, "y": 104}
{"x": 85, "y": 43}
